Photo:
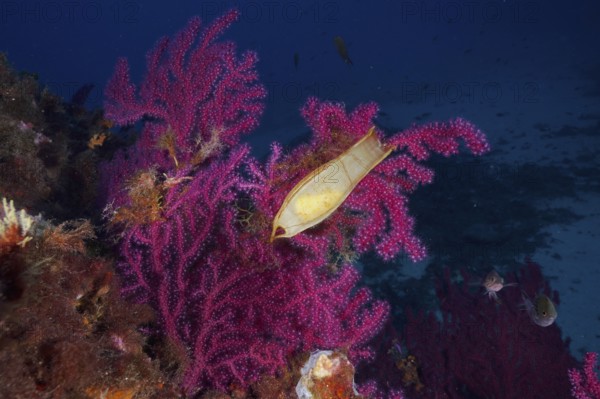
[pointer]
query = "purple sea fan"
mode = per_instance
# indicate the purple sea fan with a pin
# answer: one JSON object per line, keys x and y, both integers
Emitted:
{"x": 226, "y": 298}
{"x": 235, "y": 304}
{"x": 585, "y": 383}
{"x": 222, "y": 299}
{"x": 193, "y": 89}
{"x": 189, "y": 267}
{"x": 196, "y": 100}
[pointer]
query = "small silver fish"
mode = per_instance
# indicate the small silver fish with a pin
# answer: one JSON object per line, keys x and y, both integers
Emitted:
{"x": 493, "y": 283}
{"x": 541, "y": 311}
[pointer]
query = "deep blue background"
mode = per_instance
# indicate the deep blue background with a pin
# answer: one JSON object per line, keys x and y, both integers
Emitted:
{"x": 396, "y": 46}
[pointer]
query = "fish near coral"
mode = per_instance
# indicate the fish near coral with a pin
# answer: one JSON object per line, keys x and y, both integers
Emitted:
{"x": 97, "y": 140}
{"x": 493, "y": 283}
{"x": 410, "y": 372}
{"x": 323, "y": 190}
{"x": 340, "y": 46}
{"x": 541, "y": 311}
{"x": 408, "y": 366}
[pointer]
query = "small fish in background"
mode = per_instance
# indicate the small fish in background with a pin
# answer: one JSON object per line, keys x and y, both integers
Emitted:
{"x": 296, "y": 60}
{"x": 341, "y": 49}
{"x": 493, "y": 283}
{"x": 408, "y": 366}
{"x": 541, "y": 311}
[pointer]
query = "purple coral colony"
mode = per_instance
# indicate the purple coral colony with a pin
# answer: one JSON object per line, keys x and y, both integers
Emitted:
{"x": 184, "y": 295}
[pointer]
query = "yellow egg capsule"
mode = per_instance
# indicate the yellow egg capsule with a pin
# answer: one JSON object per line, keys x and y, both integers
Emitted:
{"x": 324, "y": 189}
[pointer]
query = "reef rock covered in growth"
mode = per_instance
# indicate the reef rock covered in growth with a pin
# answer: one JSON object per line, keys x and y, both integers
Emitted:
{"x": 65, "y": 331}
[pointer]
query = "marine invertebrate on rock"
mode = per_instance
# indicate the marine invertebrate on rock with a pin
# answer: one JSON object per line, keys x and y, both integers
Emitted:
{"x": 15, "y": 227}
{"x": 69, "y": 235}
{"x": 327, "y": 375}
